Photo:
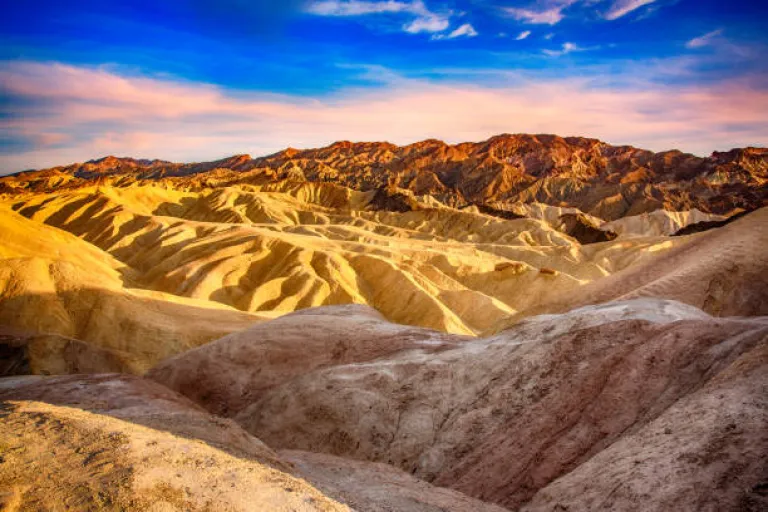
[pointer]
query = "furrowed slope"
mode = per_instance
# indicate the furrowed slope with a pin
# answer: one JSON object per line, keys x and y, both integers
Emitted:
{"x": 285, "y": 248}
{"x": 723, "y": 271}
{"x": 118, "y": 442}
{"x": 53, "y": 283}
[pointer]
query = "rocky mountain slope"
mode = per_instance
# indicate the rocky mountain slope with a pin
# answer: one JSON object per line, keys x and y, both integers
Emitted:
{"x": 605, "y": 181}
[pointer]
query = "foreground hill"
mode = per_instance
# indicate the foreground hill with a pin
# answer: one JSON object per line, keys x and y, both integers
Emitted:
{"x": 593, "y": 409}
{"x": 111, "y": 442}
{"x": 606, "y": 181}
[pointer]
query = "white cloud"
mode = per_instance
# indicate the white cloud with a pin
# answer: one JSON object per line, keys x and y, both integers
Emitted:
{"x": 466, "y": 30}
{"x": 548, "y": 17}
{"x": 565, "y": 49}
{"x": 550, "y": 12}
{"x": 424, "y": 21}
{"x": 523, "y": 35}
{"x": 429, "y": 24}
{"x": 356, "y": 7}
{"x": 705, "y": 40}
{"x": 621, "y": 8}
{"x": 543, "y": 12}
{"x": 69, "y": 113}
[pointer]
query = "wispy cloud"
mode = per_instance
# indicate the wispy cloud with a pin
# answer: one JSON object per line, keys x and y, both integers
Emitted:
{"x": 65, "y": 113}
{"x": 357, "y": 7}
{"x": 621, "y": 8}
{"x": 427, "y": 24}
{"x": 424, "y": 20}
{"x": 705, "y": 40}
{"x": 565, "y": 49}
{"x": 551, "y": 12}
{"x": 523, "y": 35}
{"x": 465, "y": 30}
{"x": 551, "y": 16}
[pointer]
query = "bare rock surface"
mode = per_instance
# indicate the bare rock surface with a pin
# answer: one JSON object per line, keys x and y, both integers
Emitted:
{"x": 233, "y": 372}
{"x": 723, "y": 271}
{"x": 112, "y": 442}
{"x": 376, "y": 487}
{"x": 503, "y": 418}
{"x": 122, "y": 443}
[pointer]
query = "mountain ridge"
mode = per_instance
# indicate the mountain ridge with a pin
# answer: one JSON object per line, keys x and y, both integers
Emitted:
{"x": 606, "y": 181}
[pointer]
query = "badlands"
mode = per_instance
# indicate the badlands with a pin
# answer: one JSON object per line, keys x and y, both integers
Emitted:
{"x": 525, "y": 323}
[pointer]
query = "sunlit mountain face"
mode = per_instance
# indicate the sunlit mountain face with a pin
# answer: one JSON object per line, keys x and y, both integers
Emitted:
{"x": 194, "y": 80}
{"x": 384, "y": 255}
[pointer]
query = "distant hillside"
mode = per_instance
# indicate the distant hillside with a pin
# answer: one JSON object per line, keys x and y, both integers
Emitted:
{"x": 605, "y": 181}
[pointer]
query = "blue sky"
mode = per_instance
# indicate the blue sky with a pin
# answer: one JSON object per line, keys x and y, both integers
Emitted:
{"x": 198, "y": 79}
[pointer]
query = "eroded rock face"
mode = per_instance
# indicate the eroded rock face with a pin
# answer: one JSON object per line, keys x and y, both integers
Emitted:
{"x": 50, "y": 354}
{"x": 723, "y": 271}
{"x": 122, "y": 442}
{"x": 585, "y": 389}
{"x": 232, "y": 373}
{"x": 605, "y": 181}
{"x": 584, "y": 230}
{"x": 503, "y": 418}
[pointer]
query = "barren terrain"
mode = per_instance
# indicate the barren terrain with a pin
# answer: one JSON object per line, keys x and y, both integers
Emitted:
{"x": 526, "y": 323}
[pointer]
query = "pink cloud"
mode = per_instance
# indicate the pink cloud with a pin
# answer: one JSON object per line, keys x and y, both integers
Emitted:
{"x": 78, "y": 113}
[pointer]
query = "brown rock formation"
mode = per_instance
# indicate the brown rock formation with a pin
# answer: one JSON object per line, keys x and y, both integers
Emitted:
{"x": 605, "y": 181}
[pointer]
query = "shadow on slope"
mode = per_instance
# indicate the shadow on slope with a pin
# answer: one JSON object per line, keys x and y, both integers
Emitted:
{"x": 124, "y": 331}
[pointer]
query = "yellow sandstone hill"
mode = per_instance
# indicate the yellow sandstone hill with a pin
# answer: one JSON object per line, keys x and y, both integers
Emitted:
{"x": 117, "y": 267}
{"x": 270, "y": 252}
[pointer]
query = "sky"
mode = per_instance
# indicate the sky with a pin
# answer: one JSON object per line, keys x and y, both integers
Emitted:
{"x": 194, "y": 80}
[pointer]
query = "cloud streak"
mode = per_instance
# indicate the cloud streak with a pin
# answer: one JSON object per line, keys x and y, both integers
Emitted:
{"x": 551, "y": 12}
{"x": 706, "y": 40}
{"x": 424, "y": 21}
{"x": 621, "y": 8}
{"x": 545, "y": 15}
{"x": 565, "y": 49}
{"x": 59, "y": 114}
{"x": 465, "y": 30}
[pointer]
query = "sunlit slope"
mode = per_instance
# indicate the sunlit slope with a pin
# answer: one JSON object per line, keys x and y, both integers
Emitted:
{"x": 723, "y": 271}
{"x": 289, "y": 246}
{"x": 55, "y": 283}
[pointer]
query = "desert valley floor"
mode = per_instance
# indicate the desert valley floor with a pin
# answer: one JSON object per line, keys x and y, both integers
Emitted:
{"x": 528, "y": 323}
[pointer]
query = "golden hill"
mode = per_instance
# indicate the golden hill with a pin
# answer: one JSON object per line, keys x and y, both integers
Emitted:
{"x": 274, "y": 250}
